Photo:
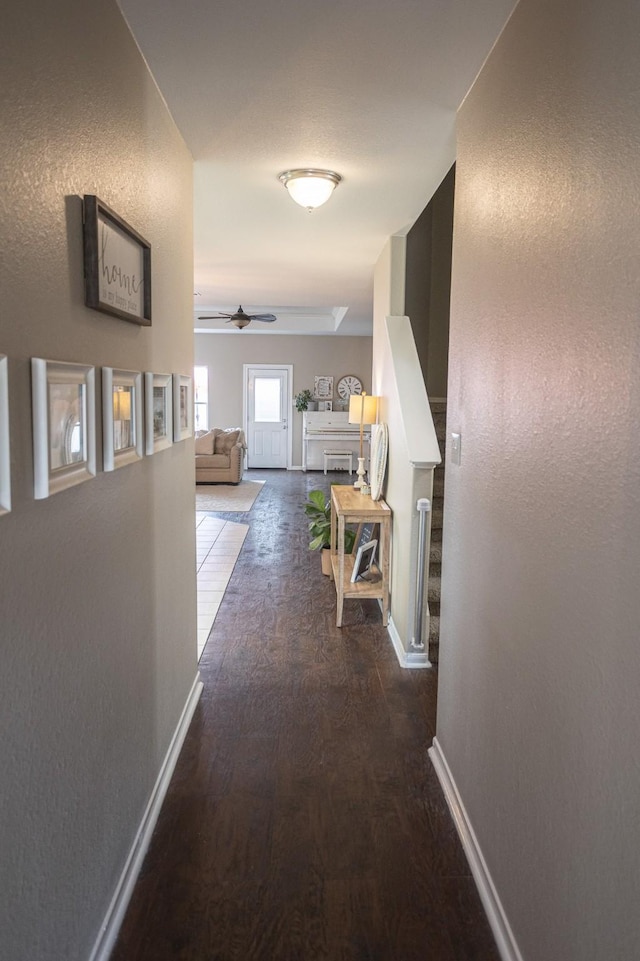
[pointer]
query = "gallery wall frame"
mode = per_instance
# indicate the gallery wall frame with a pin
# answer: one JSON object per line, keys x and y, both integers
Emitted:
{"x": 182, "y": 407}
{"x": 117, "y": 264}
{"x": 158, "y": 405}
{"x": 5, "y": 446}
{"x": 323, "y": 387}
{"x": 64, "y": 425}
{"x": 122, "y": 431}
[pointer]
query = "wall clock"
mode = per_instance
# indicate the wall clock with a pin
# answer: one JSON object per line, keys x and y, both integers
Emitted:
{"x": 348, "y": 385}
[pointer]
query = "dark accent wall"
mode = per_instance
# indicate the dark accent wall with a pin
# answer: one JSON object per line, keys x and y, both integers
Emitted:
{"x": 428, "y": 284}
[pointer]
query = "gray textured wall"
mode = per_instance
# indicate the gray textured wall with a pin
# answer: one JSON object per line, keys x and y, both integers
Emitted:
{"x": 97, "y": 583}
{"x": 539, "y": 714}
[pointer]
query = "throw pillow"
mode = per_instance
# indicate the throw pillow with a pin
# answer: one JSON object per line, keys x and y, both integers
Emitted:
{"x": 225, "y": 441}
{"x": 204, "y": 444}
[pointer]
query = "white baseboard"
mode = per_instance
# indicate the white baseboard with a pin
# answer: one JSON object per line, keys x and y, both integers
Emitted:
{"x": 124, "y": 889}
{"x": 496, "y": 916}
{"x": 412, "y": 659}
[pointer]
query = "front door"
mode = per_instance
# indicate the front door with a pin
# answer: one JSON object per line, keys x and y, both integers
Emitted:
{"x": 267, "y": 416}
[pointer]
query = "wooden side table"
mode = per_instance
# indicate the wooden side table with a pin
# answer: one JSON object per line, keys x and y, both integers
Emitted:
{"x": 349, "y": 506}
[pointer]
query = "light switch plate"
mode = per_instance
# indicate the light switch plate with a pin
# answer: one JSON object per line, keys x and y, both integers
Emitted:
{"x": 456, "y": 443}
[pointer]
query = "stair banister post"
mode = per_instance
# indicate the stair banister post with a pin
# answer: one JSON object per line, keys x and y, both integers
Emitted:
{"x": 423, "y": 505}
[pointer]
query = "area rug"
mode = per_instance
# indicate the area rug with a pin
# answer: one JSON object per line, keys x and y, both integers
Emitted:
{"x": 227, "y": 497}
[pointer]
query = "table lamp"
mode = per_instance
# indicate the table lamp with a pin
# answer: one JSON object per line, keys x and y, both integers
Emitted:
{"x": 363, "y": 409}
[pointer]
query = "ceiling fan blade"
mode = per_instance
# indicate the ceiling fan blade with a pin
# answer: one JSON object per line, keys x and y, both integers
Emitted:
{"x": 265, "y": 318}
{"x": 215, "y": 317}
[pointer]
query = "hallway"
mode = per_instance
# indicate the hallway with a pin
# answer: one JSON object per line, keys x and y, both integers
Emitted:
{"x": 304, "y": 820}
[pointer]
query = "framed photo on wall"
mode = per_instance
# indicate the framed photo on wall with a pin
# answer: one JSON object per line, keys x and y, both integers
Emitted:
{"x": 322, "y": 387}
{"x": 5, "y": 448}
{"x": 117, "y": 264}
{"x": 64, "y": 425}
{"x": 121, "y": 417}
{"x": 158, "y": 402}
{"x": 182, "y": 407}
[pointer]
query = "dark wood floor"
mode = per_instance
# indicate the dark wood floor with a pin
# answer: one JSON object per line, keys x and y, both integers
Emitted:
{"x": 304, "y": 821}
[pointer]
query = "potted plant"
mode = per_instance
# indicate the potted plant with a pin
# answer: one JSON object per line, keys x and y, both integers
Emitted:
{"x": 318, "y": 510}
{"x": 302, "y": 400}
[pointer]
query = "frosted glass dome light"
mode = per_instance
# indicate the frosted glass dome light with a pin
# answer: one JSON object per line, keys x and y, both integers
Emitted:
{"x": 308, "y": 186}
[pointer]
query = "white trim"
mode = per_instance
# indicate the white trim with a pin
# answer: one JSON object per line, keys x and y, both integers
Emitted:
{"x": 413, "y": 659}
{"x": 413, "y": 403}
{"x": 505, "y": 941}
{"x": 124, "y": 889}
{"x": 288, "y": 403}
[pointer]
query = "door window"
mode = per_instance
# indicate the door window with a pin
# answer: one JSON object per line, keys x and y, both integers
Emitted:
{"x": 268, "y": 400}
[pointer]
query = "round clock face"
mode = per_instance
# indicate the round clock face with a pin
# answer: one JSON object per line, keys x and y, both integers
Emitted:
{"x": 348, "y": 385}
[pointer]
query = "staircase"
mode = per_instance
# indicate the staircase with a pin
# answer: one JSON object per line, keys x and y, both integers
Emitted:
{"x": 439, "y": 414}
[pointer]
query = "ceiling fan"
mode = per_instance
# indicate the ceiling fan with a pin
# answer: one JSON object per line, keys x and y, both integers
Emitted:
{"x": 240, "y": 319}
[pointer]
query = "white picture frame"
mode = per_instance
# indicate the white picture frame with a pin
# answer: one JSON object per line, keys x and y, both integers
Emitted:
{"x": 323, "y": 387}
{"x": 365, "y": 559}
{"x": 182, "y": 407}
{"x": 122, "y": 431}
{"x": 64, "y": 425}
{"x": 158, "y": 402}
{"x": 5, "y": 446}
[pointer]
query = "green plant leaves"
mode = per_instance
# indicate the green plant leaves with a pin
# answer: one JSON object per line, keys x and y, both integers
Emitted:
{"x": 302, "y": 400}
{"x": 317, "y": 502}
{"x": 318, "y": 508}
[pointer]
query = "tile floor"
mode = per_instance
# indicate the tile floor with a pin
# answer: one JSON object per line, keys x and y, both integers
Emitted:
{"x": 218, "y": 544}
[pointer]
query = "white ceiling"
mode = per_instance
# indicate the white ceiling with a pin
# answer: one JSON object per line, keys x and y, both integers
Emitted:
{"x": 368, "y": 88}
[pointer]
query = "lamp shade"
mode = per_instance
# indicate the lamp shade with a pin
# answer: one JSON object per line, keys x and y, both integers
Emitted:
{"x": 363, "y": 408}
{"x": 309, "y": 186}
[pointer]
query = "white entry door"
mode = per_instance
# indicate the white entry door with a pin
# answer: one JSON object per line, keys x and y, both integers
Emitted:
{"x": 267, "y": 405}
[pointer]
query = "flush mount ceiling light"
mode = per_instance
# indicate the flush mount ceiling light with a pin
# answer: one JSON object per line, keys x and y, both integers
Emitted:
{"x": 308, "y": 186}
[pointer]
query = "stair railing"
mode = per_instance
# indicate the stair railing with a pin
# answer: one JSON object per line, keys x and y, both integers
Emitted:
{"x": 423, "y": 506}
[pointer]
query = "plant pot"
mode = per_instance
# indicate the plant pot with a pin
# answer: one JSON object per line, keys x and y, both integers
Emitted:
{"x": 326, "y": 561}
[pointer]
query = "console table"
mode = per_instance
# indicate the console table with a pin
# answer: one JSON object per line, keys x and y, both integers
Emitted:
{"x": 349, "y": 506}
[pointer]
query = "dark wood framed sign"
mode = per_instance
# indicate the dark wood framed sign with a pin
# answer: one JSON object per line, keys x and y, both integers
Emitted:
{"x": 117, "y": 265}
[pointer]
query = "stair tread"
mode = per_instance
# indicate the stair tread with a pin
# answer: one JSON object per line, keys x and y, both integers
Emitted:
{"x": 434, "y": 588}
